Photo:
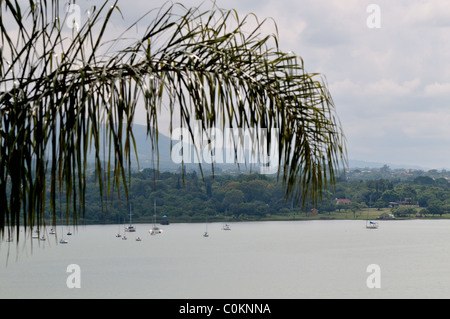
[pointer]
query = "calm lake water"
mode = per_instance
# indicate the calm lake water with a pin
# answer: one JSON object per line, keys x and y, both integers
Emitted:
{"x": 289, "y": 260}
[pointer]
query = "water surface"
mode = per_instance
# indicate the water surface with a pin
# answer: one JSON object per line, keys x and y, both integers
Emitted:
{"x": 289, "y": 260}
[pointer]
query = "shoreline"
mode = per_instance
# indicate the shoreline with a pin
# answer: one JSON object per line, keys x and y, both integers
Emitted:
{"x": 346, "y": 215}
{"x": 218, "y": 220}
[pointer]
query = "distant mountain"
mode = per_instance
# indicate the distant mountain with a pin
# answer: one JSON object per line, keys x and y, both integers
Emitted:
{"x": 145, "y": 151}
{"x": 364, "y": 164}
{"x": 147, "y": 156}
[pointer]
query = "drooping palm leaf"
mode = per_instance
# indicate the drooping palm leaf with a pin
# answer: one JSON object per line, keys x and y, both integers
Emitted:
{"x": 64, "y": 91}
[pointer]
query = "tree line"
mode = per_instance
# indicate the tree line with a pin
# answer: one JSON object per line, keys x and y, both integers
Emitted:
{"x": 193, "y": 197}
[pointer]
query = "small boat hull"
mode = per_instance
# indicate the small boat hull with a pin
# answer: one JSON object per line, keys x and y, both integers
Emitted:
{"x": 155, "y": 231}
{"x": 130, "y": 229}
{"x": 372, "y": 225}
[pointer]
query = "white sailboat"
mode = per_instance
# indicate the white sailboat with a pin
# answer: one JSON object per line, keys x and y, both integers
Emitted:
{"x": 36, "y": 235}
{"x": 226, "y": 227}
{"x": 205, "y": 234}
{"x": 371, "y": 225}
{"x": 63, "y": 240}
{"x": 118, "y": 235}
{"x": 155, "y": 229}
{"x": 130, "y": 227}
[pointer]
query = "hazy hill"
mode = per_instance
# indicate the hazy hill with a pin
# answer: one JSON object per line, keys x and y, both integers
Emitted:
{"x": 365, "y": 164}
{"x": 147, "y": 156}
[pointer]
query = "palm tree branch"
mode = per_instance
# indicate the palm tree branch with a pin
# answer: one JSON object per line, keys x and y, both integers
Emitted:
{"x": 204, "y": 64}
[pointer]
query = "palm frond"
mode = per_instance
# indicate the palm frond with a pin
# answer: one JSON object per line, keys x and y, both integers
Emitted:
{"x": 61, "y": 89}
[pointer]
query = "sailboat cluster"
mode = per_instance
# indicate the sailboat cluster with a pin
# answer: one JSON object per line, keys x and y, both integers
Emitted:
{"x": 131, "y": 228}
{"x": 155, "y": 230}
{"x": 37, "y": 235}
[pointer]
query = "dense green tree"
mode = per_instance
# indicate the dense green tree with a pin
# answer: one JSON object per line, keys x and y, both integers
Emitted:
{"x": 326, "y": 206}
{"x": 379, "y": 204}
{"x": 403, "y": 211}
{"x": 425, "y": 198}
{"x": 441, "y": 181}
{"x": 408, "y": 193}
{"x": 233, "y": 200}
{"x": 424, "y": 180}
{"x": 435, "y": 207}
{"x": 379, "y": 185}
{"x": 390, "y": 195}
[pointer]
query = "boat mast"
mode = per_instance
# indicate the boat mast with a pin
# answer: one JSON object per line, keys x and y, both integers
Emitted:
{"x": 154, "y": 213}
{"x": 130, "y": 213}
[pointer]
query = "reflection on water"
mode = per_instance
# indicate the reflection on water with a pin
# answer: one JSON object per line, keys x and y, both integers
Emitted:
{"x": 317, "y": 259}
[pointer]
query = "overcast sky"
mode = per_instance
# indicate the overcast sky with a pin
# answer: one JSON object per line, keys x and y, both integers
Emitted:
{"x": 391, "y": 85}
